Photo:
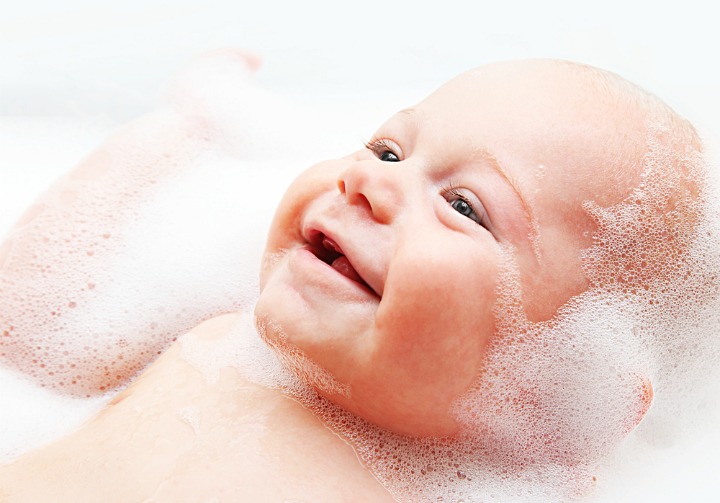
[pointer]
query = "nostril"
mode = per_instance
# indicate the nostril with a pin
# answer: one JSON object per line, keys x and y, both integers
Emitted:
{"x": 362, "y": 187}
{"x": 363, "y": 201}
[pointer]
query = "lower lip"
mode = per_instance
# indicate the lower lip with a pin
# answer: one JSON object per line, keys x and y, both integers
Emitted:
{"x": 315, "y": 270}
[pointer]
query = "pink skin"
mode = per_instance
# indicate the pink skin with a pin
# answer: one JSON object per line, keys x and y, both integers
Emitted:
{"x": 405, "y": 319}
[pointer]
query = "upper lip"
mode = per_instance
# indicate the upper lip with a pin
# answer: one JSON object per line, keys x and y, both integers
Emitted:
{"x": 329, "y": 246}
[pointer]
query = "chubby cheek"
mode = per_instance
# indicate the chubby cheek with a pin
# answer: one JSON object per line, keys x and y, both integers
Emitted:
{"x": 312, "y": 183}
{"x": 438, "y": 322}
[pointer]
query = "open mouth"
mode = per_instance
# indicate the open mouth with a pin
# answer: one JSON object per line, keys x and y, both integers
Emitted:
{"x": 329, "y": 252}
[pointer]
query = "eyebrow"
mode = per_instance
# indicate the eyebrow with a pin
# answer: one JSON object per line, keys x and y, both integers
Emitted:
{"x": 497, "y": 166}
{"x": 495, "y": 163}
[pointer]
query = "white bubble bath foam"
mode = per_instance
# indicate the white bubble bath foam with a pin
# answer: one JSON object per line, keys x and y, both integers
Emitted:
{"x": 614, "y": 399}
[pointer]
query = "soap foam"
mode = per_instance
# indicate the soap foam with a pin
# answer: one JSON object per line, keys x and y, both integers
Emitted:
{"x": 87, "y": 302}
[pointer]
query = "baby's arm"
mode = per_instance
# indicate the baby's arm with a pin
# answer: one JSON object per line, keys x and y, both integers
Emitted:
{"x": 69, "y": 317}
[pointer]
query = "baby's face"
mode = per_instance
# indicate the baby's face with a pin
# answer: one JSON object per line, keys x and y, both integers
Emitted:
{"x": 382, "y": 267}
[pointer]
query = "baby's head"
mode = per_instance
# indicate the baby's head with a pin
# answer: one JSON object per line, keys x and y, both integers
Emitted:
{"x": 392, "y": 275}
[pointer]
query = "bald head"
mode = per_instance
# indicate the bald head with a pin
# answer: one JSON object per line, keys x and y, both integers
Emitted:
{"x": 602, "y": 165}
{"x": 645, "y": 236}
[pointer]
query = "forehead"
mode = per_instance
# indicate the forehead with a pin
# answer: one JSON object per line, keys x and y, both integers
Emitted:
{"x": 549, "y": 117}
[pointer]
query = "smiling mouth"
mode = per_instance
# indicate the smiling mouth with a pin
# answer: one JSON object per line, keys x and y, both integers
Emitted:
{"x": 329, "y": 252}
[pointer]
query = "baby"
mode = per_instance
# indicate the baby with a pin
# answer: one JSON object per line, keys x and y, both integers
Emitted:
{"x": 463, "y": 299}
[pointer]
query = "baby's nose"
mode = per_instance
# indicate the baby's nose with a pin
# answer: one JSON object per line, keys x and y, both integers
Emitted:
{"x": 375, "y": 186}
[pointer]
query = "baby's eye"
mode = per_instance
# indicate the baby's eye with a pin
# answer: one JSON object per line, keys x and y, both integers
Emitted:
{"x": 388, "y": 156}
{"x": 463, "y": 204}
{"x": 384, "y": 149}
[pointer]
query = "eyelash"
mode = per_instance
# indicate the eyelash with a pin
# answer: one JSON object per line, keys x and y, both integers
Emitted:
{"x": 451, "y": 191}
{"x": 378, "y": 146}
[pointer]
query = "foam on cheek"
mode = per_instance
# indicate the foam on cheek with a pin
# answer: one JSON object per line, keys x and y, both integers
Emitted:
{"x": 562, "y": 392}
{"x": 568, "y": 392}
{"x": 474, "y": 465}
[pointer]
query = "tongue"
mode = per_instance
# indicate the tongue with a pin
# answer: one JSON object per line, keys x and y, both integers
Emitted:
{"x": 342, "y": 265}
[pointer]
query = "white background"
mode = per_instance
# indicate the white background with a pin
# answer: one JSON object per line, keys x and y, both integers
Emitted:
{"x": 77, "y": 56}
{"x": 104, "y": 62}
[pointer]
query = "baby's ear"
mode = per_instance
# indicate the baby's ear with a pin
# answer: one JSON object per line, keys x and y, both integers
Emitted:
{"x": 643, "y": 394}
